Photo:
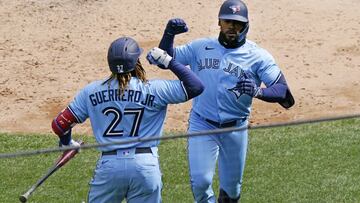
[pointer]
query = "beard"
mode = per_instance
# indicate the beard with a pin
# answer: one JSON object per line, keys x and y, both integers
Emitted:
{"x": 231, "y": 36}
{"x": 229, "y": 41}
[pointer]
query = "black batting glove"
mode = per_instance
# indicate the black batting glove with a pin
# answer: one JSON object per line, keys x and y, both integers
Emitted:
{"x": 249, "y": 87}
{"x": 176, "y": 26}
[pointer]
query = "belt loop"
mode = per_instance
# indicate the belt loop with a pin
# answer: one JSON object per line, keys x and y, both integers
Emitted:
{"x": 154, "y": 151}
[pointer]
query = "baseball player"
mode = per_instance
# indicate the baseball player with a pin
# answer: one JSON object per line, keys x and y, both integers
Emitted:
{"x": 126, "y": 106}
{"x": 232, "y": 68}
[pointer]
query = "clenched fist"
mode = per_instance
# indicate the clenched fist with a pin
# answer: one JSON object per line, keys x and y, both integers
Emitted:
{"x": 176, "y": 26}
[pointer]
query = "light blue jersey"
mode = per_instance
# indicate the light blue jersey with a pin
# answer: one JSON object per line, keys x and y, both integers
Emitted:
{"x": 220, "y": 69}
{"x": 138, "y": 113}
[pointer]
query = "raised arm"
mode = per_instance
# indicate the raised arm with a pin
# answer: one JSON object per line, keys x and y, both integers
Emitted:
{"x": 191, "y": 82}
{"x": 174, "y": 27}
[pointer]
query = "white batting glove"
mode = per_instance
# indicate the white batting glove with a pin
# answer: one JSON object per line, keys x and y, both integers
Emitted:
{"x": 73, "y": 143}
{"x": 157, "y": 56}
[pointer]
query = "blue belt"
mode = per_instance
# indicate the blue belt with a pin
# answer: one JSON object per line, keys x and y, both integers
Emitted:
{"x": 140, "y": 150}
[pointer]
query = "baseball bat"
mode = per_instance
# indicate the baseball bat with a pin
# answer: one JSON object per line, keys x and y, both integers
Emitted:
{"x": 64, "y": 158}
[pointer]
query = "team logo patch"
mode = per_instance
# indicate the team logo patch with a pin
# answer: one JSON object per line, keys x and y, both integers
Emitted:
{"x": 235, "y": 8}
{"x": 236, "y": 91}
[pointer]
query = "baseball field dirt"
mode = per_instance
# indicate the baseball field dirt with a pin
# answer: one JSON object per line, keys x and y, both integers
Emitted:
{"x": 50, "y": 49}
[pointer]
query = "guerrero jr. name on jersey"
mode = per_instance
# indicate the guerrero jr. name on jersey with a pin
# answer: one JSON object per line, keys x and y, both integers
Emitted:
{"x": 128, "y": 95}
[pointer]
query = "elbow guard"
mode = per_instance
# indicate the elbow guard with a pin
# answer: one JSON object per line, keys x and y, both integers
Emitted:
{"x": 63, "y": 123}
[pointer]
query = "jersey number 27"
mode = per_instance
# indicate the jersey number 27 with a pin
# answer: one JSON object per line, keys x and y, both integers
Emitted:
{"x": 111, "y": 129}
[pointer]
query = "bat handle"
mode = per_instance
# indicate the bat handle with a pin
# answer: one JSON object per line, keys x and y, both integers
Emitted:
{"x": 23, "y": 198}
{"x": 26, "y": 195}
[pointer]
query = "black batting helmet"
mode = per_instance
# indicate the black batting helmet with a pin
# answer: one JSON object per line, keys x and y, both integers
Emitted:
{"x": 123, "y": 54}
{"x": 234, "y": 10}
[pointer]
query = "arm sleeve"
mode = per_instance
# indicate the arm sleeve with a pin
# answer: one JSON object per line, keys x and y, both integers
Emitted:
{"x": 192, "y": 84}
{"x": 278, "y": 92}
{"x": 167, "y": 43}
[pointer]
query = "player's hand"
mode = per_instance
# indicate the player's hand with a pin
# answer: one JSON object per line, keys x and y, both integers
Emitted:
{"x": 249, "y": 87}
{"x": 72, "y": 143}
{"x": 157, "y": 56}
{"x": 176, "y": 26}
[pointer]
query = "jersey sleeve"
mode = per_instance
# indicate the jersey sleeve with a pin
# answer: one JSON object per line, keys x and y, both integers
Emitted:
{"x": 169, "y": 91}
{"x": 269, "y": 72}
{"x": 79, "y": 107}
{"x": 184, "y": 53}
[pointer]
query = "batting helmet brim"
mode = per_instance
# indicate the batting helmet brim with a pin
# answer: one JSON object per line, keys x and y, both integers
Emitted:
{"x": 233, "y": 17}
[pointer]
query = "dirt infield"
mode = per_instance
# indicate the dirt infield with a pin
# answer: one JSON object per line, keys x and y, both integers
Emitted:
{"x": 50, "y": 49}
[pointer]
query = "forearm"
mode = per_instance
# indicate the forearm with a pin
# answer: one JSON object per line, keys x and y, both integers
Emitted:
{"x": 167, "y": 43}
{"x": 275, "y": 93}
{"x": 191, "y": 82}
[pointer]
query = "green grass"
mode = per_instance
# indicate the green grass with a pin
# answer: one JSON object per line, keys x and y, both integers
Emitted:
{"x": 307, "y": 163}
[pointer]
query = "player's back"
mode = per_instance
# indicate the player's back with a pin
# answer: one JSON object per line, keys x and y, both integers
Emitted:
{"x": 138, "y": 111}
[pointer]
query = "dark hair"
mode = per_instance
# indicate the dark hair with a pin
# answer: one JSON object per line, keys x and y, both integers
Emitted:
{"x": 124, "y": 78}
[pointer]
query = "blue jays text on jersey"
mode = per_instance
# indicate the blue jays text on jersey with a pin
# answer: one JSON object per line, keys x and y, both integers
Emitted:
{"x": 220, "y": 69}
{"x": 213, "y": 63}
{"x": 128, "y": 95}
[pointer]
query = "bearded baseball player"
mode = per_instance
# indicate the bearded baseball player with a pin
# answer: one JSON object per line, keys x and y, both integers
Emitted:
{"x": 126, "y": 106}
{"x": 232, "y": 69}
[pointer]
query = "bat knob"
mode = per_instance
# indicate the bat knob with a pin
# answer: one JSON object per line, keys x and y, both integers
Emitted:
{"x": 22, "y": 198}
